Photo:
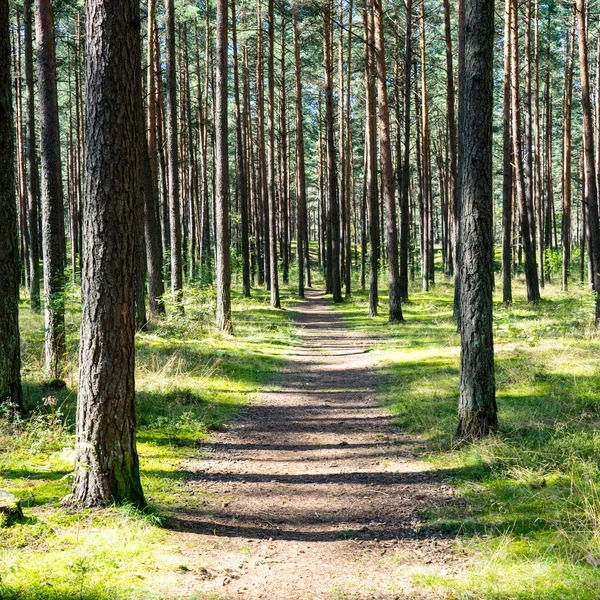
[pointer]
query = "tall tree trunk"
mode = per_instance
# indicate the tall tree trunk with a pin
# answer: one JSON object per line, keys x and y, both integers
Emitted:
{"x": 333, "y": 204}
{"x": 405, "y": 190}
{"x": 450, "y": 109}
{"x": 107, "y": 465}
{"x": 173, "y": 169}
{"x": 387, "y": 168}
{"x": 272, "y": 202}
{"x": 533, "y": 290}
{"x": 566, "y": 158}
{"x": 301, "y": 167}
{"x": 477, "y": 412}
{"x": 33, "y": 182}
{"x": 261, "y": 151}
{"x": 242, "y": 184}
{"x": 590, "y": 197}
{"x": 10, "y": 355}
{"x": 284, "y": 169}
{"x": 348, "y": 154}
{"x": 53, "y": 225}
{"x": 222, "y": 174}
{"x": 507, "y": 180}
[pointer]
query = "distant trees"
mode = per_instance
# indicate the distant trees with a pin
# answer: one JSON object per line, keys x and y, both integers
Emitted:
{"x": 10, "y": 354}
{"x": 107, "y": 465}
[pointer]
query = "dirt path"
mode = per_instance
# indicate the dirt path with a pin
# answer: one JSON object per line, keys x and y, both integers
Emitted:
{"x": 312, "y": 494}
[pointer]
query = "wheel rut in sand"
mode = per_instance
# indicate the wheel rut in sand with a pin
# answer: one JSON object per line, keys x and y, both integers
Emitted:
{"x": 312, "y": 493}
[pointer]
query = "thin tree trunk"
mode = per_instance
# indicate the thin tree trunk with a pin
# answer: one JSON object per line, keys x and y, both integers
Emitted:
{"x": 371, "y": 141}
{"x": 566, "y": 159}
{"x": 222, "y": 174}
{"x": 242, "y": 184}
{"x": 507, "y": 181}
{"x": 333, "y": 204}
{"x": 300, "y": 168}
{"x": 53, "y": 225}
{"x": 33, "y": 187}
{"x": 387, "y": 168}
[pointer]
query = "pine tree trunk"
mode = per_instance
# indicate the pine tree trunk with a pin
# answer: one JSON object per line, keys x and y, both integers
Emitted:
{"x": 566, "y": 158}
{"x": 172, "y": 157}
{"x": 10, "y": 356}
{"x": 590, "y": 197}
{"x": 405, "y": 190}
{"x": 222, "y": 174}
{"x": 477, "y": 413}
{"x": 387, "y": 168}
{"x": 333, "y": 224}
{"x": 301, "y": 168}
{"x": 53, "y": 225}
{"x": 33, "y": 182}
{"x": 507, "y": 180}
{"x": 533, "y": 290}
{"x": 107, "y": 465}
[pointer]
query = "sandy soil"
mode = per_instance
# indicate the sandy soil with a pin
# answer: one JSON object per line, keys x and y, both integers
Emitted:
{"x": 312, "y": 494}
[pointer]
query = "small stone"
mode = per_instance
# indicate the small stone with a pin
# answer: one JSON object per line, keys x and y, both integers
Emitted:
{"x": 10, "y": 506}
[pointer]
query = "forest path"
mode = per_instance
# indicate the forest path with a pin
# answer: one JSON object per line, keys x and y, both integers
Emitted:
{"x": 312, "y": 493}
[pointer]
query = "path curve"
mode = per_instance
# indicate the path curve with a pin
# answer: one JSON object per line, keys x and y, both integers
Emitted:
{"x": 312, "y": 493}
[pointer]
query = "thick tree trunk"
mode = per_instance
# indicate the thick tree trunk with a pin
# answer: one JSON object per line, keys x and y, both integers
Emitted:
{"x": 387, "y": 168}
{"x": 53, "y": 225}
{"x": 33, "y": 182}
{"x": 10, "y": 356}
{"x": 477, "y": 413}
{"x": 107, "y": 465}
{"x": 348, "y": 162}
{"x": 172, "y": 157}
{"x": 222, "y": 174}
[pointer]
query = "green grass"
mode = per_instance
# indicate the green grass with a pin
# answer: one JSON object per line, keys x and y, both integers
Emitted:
{"x": 528, "y": 499}
{"x": 190, "y": 380}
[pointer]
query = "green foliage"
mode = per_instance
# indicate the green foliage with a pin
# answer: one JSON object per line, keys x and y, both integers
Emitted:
{"x": 526, "y": 500}
{"x": 190, "y": 380}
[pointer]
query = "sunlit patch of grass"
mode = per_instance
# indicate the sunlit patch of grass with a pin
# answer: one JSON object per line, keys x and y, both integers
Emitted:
{"x": 528, "y": 498}
{"x": 190, "y": 380}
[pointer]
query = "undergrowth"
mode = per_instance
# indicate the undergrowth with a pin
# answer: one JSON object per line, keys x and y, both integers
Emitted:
{"x": 527, "y": 507}
{"x": 190, "y": 380}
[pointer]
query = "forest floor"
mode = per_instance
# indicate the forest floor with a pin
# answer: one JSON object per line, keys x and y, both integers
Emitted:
{"x": 311, "y": 455}
{"x": 314, "y": 493}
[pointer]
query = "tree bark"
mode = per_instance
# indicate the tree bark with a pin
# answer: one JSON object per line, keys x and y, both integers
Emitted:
{"x": 53, "y": 226}
{"x": 33, "y": 182}
{"x": 507, "y": 179}
{"x": 300, "y": 162}
{"x": 173, "y": 169}
{"x": 222, "y": 174}
{"x": 10, "y": 356}
{"x": 107, "y": 465}
{"x": 387, "y": 168}
{"x": 477, "y": 412}
{"x": 590, "y": 197}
